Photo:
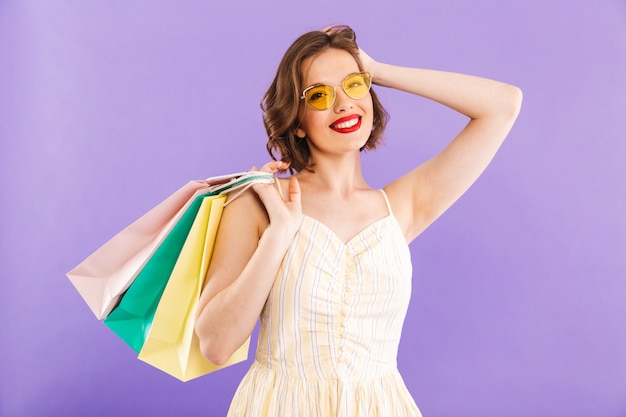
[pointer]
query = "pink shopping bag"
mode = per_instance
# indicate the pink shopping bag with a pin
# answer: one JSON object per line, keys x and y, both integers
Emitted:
{"x": 104, "y": 275}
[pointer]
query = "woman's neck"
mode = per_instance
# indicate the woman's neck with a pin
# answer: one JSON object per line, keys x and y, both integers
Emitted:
{"x": 340, "y": 176}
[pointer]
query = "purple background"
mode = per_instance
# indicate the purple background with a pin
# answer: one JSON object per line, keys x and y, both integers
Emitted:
{"x": 519, "y": 299}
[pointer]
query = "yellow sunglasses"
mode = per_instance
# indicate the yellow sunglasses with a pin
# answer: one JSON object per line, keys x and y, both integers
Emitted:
{"x": 322, "y": 96}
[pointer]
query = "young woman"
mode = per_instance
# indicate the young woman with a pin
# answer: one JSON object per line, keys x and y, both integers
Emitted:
{"x": 323, "y": 258}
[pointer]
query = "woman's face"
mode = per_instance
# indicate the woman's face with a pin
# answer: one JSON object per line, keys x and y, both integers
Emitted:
{"x": 347, "y": 124}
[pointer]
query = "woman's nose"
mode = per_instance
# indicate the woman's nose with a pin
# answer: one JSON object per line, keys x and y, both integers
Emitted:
{"x": 342, "y": 101}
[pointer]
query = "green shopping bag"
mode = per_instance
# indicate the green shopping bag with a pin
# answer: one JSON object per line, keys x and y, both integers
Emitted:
{"x": 132, "y": 318}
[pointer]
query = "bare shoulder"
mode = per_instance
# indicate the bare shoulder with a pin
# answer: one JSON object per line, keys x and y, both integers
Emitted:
{"x": 244, "y": 211}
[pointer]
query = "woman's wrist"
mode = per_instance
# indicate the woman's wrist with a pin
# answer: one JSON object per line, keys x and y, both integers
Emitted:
{"x": 278, "y": 236}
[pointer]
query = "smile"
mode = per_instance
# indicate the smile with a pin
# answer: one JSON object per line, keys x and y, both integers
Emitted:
{"x": 347, "y": 124}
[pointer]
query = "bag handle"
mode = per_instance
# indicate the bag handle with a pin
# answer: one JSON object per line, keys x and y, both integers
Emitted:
{"x": 239, "y": 181}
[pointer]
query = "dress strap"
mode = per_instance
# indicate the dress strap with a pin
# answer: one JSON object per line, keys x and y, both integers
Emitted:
{"x": 387, "y": 201}
{"x": 280, "y": 188}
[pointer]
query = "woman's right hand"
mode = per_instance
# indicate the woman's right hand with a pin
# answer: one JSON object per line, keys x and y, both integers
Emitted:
{"x": 283, "y": 213}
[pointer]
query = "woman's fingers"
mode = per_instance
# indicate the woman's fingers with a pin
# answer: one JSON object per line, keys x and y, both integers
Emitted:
{"x": 294, "y": 191}
{"x": 288, "y": 211}
{"x": 268, "y": 192}
{"x": 274, "y": 166}
{"x": 367, "y": 61}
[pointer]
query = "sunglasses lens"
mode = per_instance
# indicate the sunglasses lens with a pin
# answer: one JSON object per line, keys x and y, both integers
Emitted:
{"x": 357, "y": 85}
{"x": 321, "y": 97}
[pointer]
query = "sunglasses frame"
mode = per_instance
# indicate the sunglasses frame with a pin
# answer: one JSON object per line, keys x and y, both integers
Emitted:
{"x": 369, "y": 87}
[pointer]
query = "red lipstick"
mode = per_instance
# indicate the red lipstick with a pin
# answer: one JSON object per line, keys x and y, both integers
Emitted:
{"x": 347, "y": 124}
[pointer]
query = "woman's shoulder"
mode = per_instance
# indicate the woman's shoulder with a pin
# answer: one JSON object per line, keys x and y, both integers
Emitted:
{"x": 244, "y": 211}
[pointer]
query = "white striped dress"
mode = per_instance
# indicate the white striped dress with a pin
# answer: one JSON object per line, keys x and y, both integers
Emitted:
{"x": 331, "y": 326}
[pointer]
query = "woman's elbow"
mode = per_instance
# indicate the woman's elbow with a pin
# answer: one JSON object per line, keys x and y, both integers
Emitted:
{"x": 515, "y": 98}
{"x": 213, "y": 352}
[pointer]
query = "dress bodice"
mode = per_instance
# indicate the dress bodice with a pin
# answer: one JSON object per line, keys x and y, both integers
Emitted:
{"x": 336, "y": 309}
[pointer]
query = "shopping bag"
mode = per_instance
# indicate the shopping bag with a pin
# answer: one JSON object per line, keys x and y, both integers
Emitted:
{"x": 132, "y": 317}
{"x": 172, "y": 345}
{"x": 103, "y": 277}
{"x": 106, "y": 274}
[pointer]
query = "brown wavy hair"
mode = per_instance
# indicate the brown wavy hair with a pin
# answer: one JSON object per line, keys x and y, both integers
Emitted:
{"x": 281, "y": 103}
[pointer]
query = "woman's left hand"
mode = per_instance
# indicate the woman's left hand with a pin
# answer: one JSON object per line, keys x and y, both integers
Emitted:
{"x": 367, "y": 61}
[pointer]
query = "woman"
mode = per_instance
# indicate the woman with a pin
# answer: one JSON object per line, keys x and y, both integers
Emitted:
{"x": 325, "y": 264}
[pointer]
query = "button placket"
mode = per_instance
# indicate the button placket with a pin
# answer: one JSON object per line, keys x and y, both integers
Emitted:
{"x": 346, "y": 302}
{"x": 350, "y": 279}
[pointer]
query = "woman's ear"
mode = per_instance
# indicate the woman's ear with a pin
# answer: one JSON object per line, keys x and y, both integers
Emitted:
{"x": 300, "y": 133}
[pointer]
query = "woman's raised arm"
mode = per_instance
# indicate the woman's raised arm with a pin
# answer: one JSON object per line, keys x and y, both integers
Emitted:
{"x": 423, "y": 194}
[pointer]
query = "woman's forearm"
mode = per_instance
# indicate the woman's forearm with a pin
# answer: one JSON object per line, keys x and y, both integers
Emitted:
{"x": 226, "y": 321}
{"x": 475, "y": 97}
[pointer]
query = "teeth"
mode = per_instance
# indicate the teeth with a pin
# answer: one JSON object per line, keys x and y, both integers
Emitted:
{"x": 348, "y": 124}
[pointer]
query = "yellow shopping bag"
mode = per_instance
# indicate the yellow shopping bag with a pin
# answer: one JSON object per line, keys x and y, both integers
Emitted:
{"x": 172, "y": 345}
